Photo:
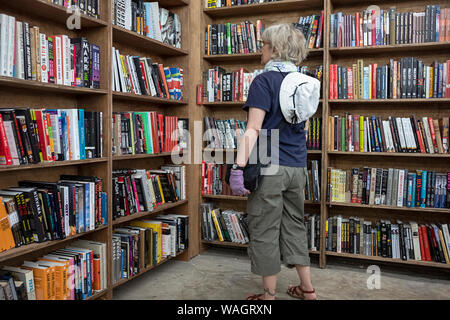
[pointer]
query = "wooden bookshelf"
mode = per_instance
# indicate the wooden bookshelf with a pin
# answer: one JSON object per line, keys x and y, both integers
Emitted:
{"x": 52, "y": 19}
{"x": 285, "y": 11}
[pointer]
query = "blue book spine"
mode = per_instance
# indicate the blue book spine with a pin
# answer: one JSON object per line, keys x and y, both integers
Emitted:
{"x": 438, "y": 15}
{"x": 366, "y": 83}
{"x": 440, "y": 92}
{"x": 122, "y": 253}
{"x": 423, "y": 191}
{"x": 380, "y": 143}
{"x": 104, "y": 208}
{"x": 414, "y": 181}
{"x": 87, "y": 204}
{"x": 65, "y": 135}
{"x": 81, "y": 134}
{"x": 409, "y": 197}
{"x": 88, "y": 275}
{"x": 147, "y": 18}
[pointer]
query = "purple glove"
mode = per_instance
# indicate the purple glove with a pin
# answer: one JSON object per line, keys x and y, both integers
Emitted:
{"x": 237, "y": 183}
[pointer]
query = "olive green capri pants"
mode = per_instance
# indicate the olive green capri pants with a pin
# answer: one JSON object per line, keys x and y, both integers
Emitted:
{"x": 276, "y": 222}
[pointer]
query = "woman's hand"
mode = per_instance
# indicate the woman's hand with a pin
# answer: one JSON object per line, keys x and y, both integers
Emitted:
{"x": 237, "y": 183}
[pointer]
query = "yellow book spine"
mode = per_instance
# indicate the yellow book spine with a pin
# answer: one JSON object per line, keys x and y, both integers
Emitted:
{"x": 444, "y": 248}
{"x": 430, "y": 95}
{"x": 160, "y": 189}
{"x": 361, "y": 134}
{"x": 216, "y": 224}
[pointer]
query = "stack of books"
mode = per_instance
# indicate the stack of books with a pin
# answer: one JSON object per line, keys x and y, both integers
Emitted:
{"x": 89, "y": 7}
{"x": 75, "y": 272}
{"x": 26, "y": 53}
{"x": 389, "y": 186}
{"x": 141, "y": 190}
{"x": 30, "y": 136}
{"x": 148, "y": 19}
{"x": 223, "y": 225}
{"x": 398, "y": 240}
{"x": 54, "y": 210}
{"x": 408, "y": 78}
{"x": 395, "y": 134}
{"x": 312, "y": 29}
{"x": 389, "y": 27}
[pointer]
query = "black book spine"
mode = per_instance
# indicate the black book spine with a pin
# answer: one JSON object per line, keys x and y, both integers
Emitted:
{"x": 409, "y": 79}
{"x": 403, "y": 68}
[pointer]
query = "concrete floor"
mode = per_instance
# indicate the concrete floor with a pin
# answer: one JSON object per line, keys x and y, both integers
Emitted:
{"x": 223, "y": 274}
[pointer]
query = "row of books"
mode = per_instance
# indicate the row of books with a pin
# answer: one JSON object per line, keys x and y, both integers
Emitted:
{"x": 144, "y": 243}
{"x": 75, "y": 272}
{"x": 141, "y": 190}
{"x": 390, "y": 187}
{"x": 148, "y": 133}
{"x": 231, "y": 38}
{"x": 89, "y": 7}
{"x": 312, "y": 225}
{"x": 43, "y": 211}
{"x": 223, "y": 225}
{"x": 396, "y": 134}
{"x": 312, "y": 29}
{"x": 389, "y": 27}
{"x": 132, "y": 74}
{"x": 314, "y": 137}
{"x": 312, "y": 187}
{"x": 398, "y": 240}
{"x": 223, "y": 133}
{"x": 148, "y": 19}
{"x": 30, "y": 136}
{"x": 405, "y": 79}
{"x": 222, "y": 86}
{"x": 230, "y": 3}
{"x": 26, "y": 53}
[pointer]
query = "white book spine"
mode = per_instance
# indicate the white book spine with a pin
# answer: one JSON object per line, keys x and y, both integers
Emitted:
{"x": 44, "y": 57}
{"x": 67, "y": 69}
{"x": 11, "y": 142}
{"x": 446, "y": 235}
{"x": 426, "y": 128}
{"x": 339, "y": 234}
{"x": 58, "y": 60}
{"x": 406, "y": 133}
{"x": 401, "y": 180}
{"x": 19, "y": 71}
{"x": 11, "y": 45}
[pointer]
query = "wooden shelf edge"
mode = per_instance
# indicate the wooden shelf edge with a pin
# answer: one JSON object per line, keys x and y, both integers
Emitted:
{"x": 146, "y": 98}
{"x": 98, "y": 295}
{"x": 142, "y": 156}
{"x": 125, "y": 280}
{"x": 52, "y": 164}
{"x": 146, "y": 42}
{"x": 389, "y": 260}
{"x": 384, "y": 207}
{"x": 138, "y": 215}
{"x": 390, "y": 154}
{"x": 48, "y": 87}
{"x": 240, "y": 198}
{"x": 390, "y": 48}
{"x": 262, "y": 8}
{"x": 25, "y": 249}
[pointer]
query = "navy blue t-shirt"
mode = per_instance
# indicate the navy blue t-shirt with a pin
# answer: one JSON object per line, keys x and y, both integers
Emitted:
{"x": 264, "y": 94}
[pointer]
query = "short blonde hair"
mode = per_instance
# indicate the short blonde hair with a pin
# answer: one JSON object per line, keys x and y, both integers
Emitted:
{"x": 287, "y": 41}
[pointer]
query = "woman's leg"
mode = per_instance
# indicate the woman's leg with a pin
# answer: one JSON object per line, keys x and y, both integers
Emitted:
{"x": 269, "y": 285}
{"x": 304, "y": 274}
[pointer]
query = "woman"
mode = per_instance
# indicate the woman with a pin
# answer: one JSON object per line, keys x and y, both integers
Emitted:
{"x": 275, "y": 209}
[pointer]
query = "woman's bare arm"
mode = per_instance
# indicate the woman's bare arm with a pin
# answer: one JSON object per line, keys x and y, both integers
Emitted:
{"x": 247, "y": 141}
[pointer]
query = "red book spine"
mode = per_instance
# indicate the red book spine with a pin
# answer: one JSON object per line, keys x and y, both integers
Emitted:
{"x": 199, "y": 95}
{"x": 203, "y": 177}
{"x": 22, "y": 150}
{"x": 141, "y": 64}
{"x": 138, "y": 206}
{"x": 427, "y": 243}
{"x": 161, "y": 132}
{"x": 422, "y": 245}
{"x": 5, "y": 153}
{"x": 350, "y": 83}
{"x": 357, "y": 35}
{"x": 374, "y": 81}
{"x": 373, "y": 27}
{"x": 41, "y": 134}
{"x": 319, "y": 31}
{"x": 241, "y": 84}
{"x": 330, "y": 81}
{"x": 433, "y": 134}
{"x": 335, "y": 90}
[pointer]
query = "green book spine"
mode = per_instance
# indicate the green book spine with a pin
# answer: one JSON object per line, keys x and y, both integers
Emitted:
{"x": 228, "y": 37}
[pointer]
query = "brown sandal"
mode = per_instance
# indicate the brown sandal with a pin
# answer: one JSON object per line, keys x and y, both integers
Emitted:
{"x": 293, "y": 292}
{"x": 256, "y": 297}
{"x": 260, "y": 295}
